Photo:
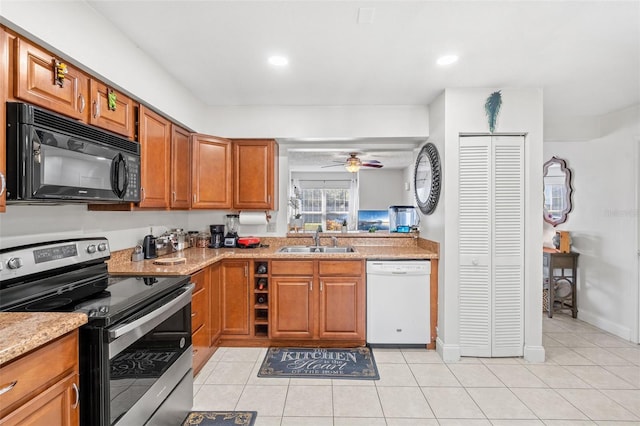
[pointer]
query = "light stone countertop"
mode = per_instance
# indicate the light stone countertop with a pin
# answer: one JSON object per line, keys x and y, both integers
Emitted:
{"x": 21, "y": 332}
{"x": 198, "y": 258}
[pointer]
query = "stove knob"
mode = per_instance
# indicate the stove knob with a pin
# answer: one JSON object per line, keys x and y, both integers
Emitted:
{"x": 102, "y": 246}
{"x": 14, "y": 263}
{"x": 91, "y": 248}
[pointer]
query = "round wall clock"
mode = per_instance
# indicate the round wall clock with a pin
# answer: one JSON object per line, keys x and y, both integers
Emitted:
{"x": 426, "y": 178}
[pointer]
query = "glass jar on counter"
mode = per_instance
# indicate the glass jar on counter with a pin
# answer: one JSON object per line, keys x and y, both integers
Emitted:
{"x": 203, "y": 239}
{"x": 192, "y": 237}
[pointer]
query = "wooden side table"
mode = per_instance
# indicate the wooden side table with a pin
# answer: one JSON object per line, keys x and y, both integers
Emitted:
{"x": 560, "y": 267}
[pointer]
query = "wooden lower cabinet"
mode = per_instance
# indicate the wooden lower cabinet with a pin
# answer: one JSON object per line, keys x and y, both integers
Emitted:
{"x": 46, "y": 389}
{"x": 200, "y": 319}
{"x": 327, "y": 304}
{"x": 234, "y": 278}
{"x": 215, "y": 303}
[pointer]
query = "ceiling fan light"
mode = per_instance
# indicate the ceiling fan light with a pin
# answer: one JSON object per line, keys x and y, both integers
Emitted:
{"x": 352, "y": 167}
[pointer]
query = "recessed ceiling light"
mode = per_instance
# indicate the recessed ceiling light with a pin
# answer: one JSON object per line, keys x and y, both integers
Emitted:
{"x": 278, "y": 61}
{"x": 447, "y": 59}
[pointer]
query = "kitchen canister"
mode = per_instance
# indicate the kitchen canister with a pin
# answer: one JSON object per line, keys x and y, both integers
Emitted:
{"x": 203, "y": 240}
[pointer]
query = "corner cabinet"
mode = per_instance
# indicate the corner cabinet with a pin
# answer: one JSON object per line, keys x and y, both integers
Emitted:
{"x": 255, "y": 174}
{"x": 42, "y": 395}
{"x": 155, "y": 148}
{"x": 318, "y": 300}
{"x": 211, "y": 180}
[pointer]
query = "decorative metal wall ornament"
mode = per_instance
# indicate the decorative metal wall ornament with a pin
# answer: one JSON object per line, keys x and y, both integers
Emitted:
{"x": 59, "y": 72}
{"x": 427, "y": 178}
{"x": 112, "y": 99}
{"x": 492, "y": 109}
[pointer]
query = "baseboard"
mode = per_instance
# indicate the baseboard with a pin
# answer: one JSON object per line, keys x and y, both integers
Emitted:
{"x": 534, "y": 354}
{"x": 604, "y": 324}
{"x": 448, "y": 353}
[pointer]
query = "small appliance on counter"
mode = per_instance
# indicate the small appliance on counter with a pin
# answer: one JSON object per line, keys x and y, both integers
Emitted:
{"x": 149, "y": 247}
{"x": 217, "y": 236}
{"x": 403, "y": 218}
{"x": 248, "y": 242}
{"x": 231, "y": 238}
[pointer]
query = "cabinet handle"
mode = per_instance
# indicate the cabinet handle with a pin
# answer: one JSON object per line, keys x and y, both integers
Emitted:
{"x": 246, "y": 271}
{"x": 193, "y": 314}
{"x": 194, "y": 198}
{"x": 77, "y": 392}
{"x": 83, "y": 104}
{"x": 142, "y": 194}
{"x": 96, "y": 109}
{"x": 174, "y": 195}
{"x": 321, "y": 285}
{"x": 8, "y": 387}
{"x": 310, "y": 285}
{"x": 268, "y": 198}
{"x": 3, "y": 183}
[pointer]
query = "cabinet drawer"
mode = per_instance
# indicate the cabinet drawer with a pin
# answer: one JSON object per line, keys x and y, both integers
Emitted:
{"x": 200, "y": 342}
{"x": 34, "y": 372}
{"x": 292, "y": 267}
{"x": 198, "y": 309}
{"x": 199, "y": 279}
{"x": 340, "y": 267}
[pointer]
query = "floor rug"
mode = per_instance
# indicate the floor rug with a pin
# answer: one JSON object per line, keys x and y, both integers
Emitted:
{"x": 314, "y": 363}
{"x": 221, "y": 418}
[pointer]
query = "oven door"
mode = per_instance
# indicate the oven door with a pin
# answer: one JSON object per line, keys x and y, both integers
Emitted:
{"x": 140, "y": 361}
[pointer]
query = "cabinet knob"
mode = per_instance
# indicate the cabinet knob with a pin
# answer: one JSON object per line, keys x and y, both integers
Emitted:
{"x": 8, "y": 387}
{"x": 475, "y": 262}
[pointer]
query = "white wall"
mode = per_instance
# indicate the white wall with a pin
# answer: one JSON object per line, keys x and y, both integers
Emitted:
{"x": 604, "y": 221}
{"x": 381, "y": 188}
{"x": 462, "y": 111}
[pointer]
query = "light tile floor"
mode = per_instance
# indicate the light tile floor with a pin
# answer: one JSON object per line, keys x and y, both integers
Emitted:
{"x": 590, "y": 378}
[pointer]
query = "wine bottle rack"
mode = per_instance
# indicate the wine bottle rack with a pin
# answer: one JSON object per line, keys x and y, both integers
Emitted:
{"x": 261, "y": 299}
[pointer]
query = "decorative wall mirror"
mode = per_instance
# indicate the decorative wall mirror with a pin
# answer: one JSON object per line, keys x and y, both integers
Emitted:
{"x": 557, "y": 191}
{"x": 426, "y": 178}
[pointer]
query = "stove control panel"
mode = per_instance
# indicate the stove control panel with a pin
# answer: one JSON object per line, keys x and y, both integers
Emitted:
{"x": 17, "y": 262}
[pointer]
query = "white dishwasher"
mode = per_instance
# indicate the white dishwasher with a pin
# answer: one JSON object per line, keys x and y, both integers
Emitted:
{"x": 398, "y": 302}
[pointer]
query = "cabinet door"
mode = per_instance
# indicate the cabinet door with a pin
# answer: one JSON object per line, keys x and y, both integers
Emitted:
{"x": 211, "y": 172}
{"x": 120, "y": 118}
{"x": 57, "y": 405}
{"x": 254, "y": 174}
{"x": 4, "y": 86}
{"x": 235, "y": 297}
{"x": 155, "y": 147}
{"x": 342, "y": 308}
{"x": 180, "y": 168}
{"x": 35, "y": 82}
{"x": 291, "y": 306}
{"x": 215, "y": 303}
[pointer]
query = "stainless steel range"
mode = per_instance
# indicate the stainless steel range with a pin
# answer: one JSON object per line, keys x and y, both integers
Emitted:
{"x": 135, "y": 351}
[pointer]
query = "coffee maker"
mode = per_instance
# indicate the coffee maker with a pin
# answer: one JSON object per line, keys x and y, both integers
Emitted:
{"x": 217, "y": 236}
{"x": 231, "y": 239}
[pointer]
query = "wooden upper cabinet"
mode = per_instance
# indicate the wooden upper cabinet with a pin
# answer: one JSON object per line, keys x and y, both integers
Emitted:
{"x": 155, "y": 148}
{"x": 119, "y": 117}
{"x": 35, "y": 81}
{"x": 4, "y": 85}
{"x": 211, "y": 172}
{"x": 180, "y": 168}
{"x": 255, "y": 174}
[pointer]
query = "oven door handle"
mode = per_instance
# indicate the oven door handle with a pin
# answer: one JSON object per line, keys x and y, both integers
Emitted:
{"x": 155, "y": 317}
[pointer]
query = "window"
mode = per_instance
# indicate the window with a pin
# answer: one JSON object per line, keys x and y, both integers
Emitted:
{"x": 326, "y": 200}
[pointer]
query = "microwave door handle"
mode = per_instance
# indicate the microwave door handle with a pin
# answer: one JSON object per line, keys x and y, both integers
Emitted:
{"x": 118, "y": 164}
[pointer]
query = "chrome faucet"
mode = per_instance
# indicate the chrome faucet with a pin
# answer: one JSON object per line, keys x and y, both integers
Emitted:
{"x": 334, "y": 240}
{"x": 316, "y": 237}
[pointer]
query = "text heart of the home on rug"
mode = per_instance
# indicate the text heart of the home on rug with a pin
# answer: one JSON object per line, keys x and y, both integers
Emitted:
{"x": 318, "y": 360}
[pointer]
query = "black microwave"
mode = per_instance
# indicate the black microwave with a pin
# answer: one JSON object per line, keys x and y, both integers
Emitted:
{"x": 52, "y": 158}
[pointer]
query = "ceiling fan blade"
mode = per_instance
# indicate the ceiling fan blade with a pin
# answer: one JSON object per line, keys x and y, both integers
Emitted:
{"x": 376, "y": 165}
{"x": 332, "y": 165}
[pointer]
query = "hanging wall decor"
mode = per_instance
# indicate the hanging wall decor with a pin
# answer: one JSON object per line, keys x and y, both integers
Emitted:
{"x": 427, "y": 178}
{"x": 111, "y": 100}
{"x": 492, "y": 109}
{"x": 59, "y": 72}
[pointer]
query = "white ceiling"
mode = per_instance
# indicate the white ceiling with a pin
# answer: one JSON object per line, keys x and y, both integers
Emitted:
{"x": 585, "y": 55}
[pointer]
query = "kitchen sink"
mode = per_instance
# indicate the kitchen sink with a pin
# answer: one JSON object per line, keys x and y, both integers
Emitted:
{"x": 315, "y": 249}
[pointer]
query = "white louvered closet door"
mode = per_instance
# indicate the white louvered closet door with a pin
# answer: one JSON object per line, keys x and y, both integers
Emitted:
{"x": 491, "y": 241}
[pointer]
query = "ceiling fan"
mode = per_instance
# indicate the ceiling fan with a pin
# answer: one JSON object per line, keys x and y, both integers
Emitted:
{"x": 353, "y": 163}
